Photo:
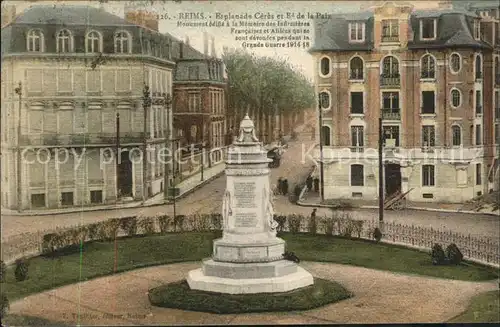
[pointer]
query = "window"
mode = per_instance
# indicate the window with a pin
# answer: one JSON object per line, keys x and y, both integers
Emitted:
{"x": 357, "y": 175}
{"x": 326, "y": 135}
{"x": 390, "y": 30}
{"x": 93, "y": 42}
{"x": 479, "y": 102}
{"x": 478, "y": 174}
{"x": 356, "y": 68}
{"x": 478, "y": 134}
{"x": 325, "y": 66}
{"x": 356, "y": 32}
{"x": 390, "y": 67}
{"x": 427, "y": 29}
{"x": 428, "y": 102}
{"x": 390, "y": 100}
{"x": 477, "y": 29}
{"x": 35, "y": 42}
{"x": 455, "y": 63}
{"x": 357, "y": 136}
{"x": 428, "y": 175}
{"x": 497, "y": 105}
{"x": 122, "y": 42}
{"x": 96, "y": 196}
{"x": 428, "y": 67}
{"x": 428, "y": 136}
{"x": 497, "y": 133}
{"x": 194, "y": 73}
{"x": 64, "y": 41}
{"x": 194, "y": 102}
{"x": 456, "y": 98}
{"x": 356, "y": 102}
{"x": 456, "y": 136}
{"x": 391, "y": 133}
{"x": 67, "y": 198}
{"x": 38, "y": 200}
{"x": 479, "y": 67}
{"x": 324, "y": 100}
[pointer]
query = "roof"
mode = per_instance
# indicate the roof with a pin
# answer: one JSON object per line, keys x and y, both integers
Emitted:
{"x": 69, "y": 15}
{"x": 491, "y": 4}
{"x": 454, "y": 30}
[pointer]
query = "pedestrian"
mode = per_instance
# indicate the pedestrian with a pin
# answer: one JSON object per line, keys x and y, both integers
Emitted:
{"x": 285, "y": 187}
{"x": 316, "y": 184}
{"x": 309, "y": 183}
{"x": 280, "y": 185}
{"x": 313, "y": 214}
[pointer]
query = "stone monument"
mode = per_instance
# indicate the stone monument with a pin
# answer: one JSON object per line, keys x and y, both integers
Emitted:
{"x": 249, "y": 257}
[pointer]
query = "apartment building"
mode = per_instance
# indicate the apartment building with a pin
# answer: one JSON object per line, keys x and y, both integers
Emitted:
{"x": 433, "y": 76}
{"x": 67, "y": 72}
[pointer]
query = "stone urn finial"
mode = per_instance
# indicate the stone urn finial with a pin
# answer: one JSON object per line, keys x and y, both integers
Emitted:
{"x": 247, "y": 131}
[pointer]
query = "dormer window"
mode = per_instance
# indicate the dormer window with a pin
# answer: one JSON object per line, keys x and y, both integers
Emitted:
{"x": 390, "y": 30}
{"x": 34, "y": 41}
{"x": 428, "y": 29}
{"x": 122, "y": 42}
{"x": 64, "y": 41}
{"x": 477, "y": 29}
{"x": 356, "y": 32}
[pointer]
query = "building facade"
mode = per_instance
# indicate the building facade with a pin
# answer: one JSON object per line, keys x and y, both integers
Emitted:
{"x": 434, "y": 79}
{"x": 67, "y": 73}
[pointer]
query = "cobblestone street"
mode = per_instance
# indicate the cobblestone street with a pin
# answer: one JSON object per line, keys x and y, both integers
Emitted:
{"x": 208, "y": 199}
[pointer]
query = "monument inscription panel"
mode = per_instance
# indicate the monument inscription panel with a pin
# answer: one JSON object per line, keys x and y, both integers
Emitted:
{"x": 245, "y": 219}
{"x": 245, "y": 195}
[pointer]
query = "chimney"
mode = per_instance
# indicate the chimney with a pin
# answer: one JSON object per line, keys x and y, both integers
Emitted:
{"x": 445, "y": 4}
{"x": 205, "y": 43}
{"x": 142, "y": 18}
{"x": 181, "y": 50}
{"x": 213, "y": 47}
{"x": 187, "y": 40}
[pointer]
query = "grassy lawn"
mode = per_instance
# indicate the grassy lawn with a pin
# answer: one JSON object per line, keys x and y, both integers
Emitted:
{"x": 483, "y": 308}
{"x": 179, "y": 296}
{"x": 17, "y": 320}
{"x": 97, "y": 259}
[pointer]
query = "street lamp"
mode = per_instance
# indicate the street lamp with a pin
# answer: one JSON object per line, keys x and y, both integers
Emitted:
{"x": 380, "y": 173}
{"x": 167, "y": 101}
{"x": 321, "y": 171}
{"x": 146, "y": 102}
{"x": 19, "y": 91}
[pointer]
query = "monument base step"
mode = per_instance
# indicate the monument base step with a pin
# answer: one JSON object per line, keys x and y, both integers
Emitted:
{"x": 264, "y": 251}
{"x": 197, "y": 280}
{"x": 248, "y": 270}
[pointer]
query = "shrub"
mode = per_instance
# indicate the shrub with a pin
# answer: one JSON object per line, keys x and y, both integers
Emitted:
{"x": 93, "y": 231}
{"x": 294, "y": 223}
{"x": 377, "y": 234}
{"x": 358, "y": 227}
{"x": 328, "y": 225}
{"x": 216, "y": 219}
{"x": 4, "y": 305}
{"x": 147, "y": 225}
{"x": 3, "y": 271}
{"x": 200, "y": 223}
{"x": 129, "y": 225}
{"x": 290, "y": 256}
{"x": 108, "y": 229}
{"x": 49, "y": 243}
{"x": 179, "y": 222}
{"x": 437, "y": 255}
{"x": 453, "y": 254}
{"x": 21, "y": 271}
{"x": 312, "y": 226}
{"x": 281, "y": 220}
{"x": 164, "y": 223}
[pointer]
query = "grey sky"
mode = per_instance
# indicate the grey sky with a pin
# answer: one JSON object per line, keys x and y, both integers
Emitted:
{"x": 297, "y": 56}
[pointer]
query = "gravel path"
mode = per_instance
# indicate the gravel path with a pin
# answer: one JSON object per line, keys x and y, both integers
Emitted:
{"x": 379, "y": 297}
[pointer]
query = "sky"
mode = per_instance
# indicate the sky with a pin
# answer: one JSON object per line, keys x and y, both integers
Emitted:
{"x": 298, "y": 57}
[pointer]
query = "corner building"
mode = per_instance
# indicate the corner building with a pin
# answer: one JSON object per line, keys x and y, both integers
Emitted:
{"x": 434, "y": 79}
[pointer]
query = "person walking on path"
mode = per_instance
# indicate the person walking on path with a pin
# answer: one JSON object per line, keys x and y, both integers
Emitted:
{"x": 316, "y": 184}
{"x": 313, "y": 214}
{"x": 309, "y": 183}
{"x": 280, "y": 185}
{"x": 285, "y": 187}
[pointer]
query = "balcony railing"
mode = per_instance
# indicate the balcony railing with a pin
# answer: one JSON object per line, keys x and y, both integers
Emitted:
{"x": 80, "y": 139}
{"x": 479, "y": 109}
{"x": 356, "y": 74}
{"x": 428, "y": 74}
{"x": 497, "y": 113}
{"x": 479, "y": 75}
{"x": 497, "y": 79}
{"x": 357, "y": 149}
{"x": 386, "y": 38}
{"x": 391, "y": 113}
{"x": 390, "y": 80}
{"x": 357, "y": 111}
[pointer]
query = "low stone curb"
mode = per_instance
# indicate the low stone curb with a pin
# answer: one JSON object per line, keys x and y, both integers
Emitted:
{"x": 302, "y": 204}
{"x": 137, "y": 204}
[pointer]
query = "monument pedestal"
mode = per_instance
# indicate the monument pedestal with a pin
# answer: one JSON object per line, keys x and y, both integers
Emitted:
{"x": 248, "y": 259}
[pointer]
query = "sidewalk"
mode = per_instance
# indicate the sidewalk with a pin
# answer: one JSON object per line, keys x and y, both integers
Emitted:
{"x": 313, "y": 200}
{"x": 186, "y": 187}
